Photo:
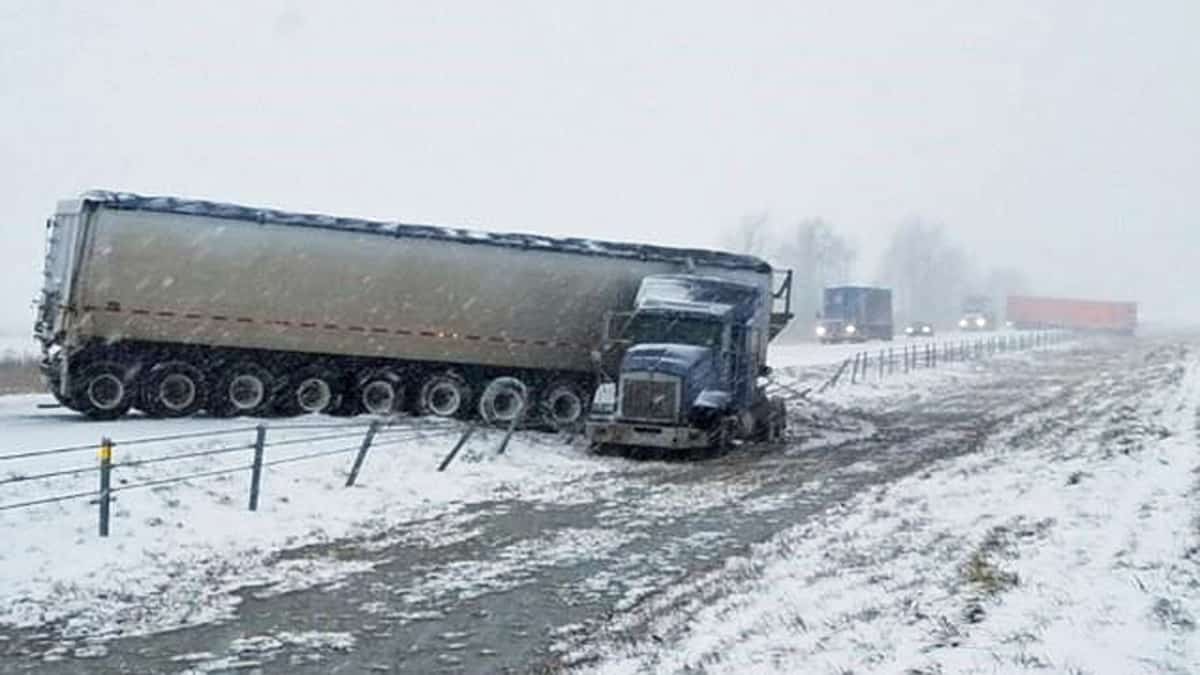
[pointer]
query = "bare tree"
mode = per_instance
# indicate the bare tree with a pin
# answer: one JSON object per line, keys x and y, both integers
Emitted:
{"x": 819, "y": 257}
{"x": 929, "y": 274}
{"x": 1002, "y": 282}
{"x": 751, "y": 235}
{"x": 812, "y": 248}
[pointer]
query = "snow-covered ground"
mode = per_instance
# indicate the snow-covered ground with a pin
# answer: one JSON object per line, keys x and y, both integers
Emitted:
{"x": 1067, "y": 543}
{"x": 1066, "y": 539}
{"x": 176, "y": 552}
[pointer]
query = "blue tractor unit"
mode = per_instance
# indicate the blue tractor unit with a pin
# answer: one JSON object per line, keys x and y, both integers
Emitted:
{"x": 683, "y": 368}
{"x": 855, "y": 314}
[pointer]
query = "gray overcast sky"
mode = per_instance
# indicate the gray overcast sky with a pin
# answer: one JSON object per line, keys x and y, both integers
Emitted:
{"x": 1061, "y": 136}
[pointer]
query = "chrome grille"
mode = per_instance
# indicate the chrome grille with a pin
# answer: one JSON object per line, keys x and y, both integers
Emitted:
{"x": 646, "y": 399}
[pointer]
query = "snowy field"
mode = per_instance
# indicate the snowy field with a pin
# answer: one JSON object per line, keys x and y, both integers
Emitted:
{"x": 177, "y": 551}
{"x": 1078, "y": 552}
{"x": 1061, "y": 539}
{"x": 17, "y": 346}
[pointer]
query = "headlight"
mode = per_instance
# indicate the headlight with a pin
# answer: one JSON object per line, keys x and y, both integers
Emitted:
{"x": 605, "y": 398}
{"x": 962, "y": 323}
{"x": 821, "y": 331}
{"x": 909, "y": 330}
{"x": 981, "y": 322}
{"x": 850, "y": 329}
{"x": 926, "y": 329}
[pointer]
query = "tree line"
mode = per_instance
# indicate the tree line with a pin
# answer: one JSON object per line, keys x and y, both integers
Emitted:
{"x": 930, "y": 273}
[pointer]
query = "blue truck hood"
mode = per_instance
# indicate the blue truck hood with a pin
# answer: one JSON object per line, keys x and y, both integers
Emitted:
{"x": 694, "y": 366}
{"x": 668, "y": 359}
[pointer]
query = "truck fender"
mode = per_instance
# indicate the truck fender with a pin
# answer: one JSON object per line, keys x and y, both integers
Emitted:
{"x": 712, "y": 399}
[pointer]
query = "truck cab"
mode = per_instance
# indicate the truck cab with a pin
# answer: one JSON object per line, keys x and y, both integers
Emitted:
{"x": 855, "y": 314}
{"x": 683, "y": 367}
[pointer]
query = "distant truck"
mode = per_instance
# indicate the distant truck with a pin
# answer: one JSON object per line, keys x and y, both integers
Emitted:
{"x": 977, "y": 314}
{"x": 1028, "y": 312}
{"x": 855, "y": 314}
{"x": 174, "y": 306}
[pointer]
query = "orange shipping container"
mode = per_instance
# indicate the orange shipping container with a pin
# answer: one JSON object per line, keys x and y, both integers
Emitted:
{"x": 1096, "y": 315}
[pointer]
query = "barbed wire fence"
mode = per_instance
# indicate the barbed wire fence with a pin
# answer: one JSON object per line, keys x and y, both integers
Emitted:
{"x": 878, "y": 365}
{"x": 359, "y": 437}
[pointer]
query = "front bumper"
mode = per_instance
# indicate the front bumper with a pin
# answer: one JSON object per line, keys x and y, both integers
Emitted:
{"x": 646, "y": 434}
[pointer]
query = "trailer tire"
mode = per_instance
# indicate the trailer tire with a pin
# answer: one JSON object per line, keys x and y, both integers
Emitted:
{"x": 445, "y": 394}
{"x": 503, "y": 400}
{"x": 172, "y": 389}
{"x": 565, "y": 405}
{"x": 244, "y": 389}
{"x": 103, "y": 390}
{"x": 380, "y": 392}
{"x": 312, "y": 391}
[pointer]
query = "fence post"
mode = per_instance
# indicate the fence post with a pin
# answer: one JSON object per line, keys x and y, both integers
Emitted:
{"x": 512, "y": 426}
{"x": 866, "y": 365}
{"x": 854, "y": 368}
{"x": 906, "y": 358}
{"x": 106, "y": 446}
{"x": 881, "y": 364}
{"x": 462, "y": 440}
{"x": 256, "y": 467}
{"x": 362, "y": 453}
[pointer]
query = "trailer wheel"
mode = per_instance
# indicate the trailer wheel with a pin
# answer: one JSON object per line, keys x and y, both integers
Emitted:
{"x": 503, "y": 400}
{"x": 444, "y": 394}
{"x": 103, "y": 390}
{"x": 173, "y": 389}
{"x": 313, "y": 391}
{"x": 565, "y": 405}
{"x": 381, "y": 392}
{"x": 246, "y": 389}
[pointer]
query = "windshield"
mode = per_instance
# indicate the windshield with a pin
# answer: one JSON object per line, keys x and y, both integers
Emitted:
{"x": 646, "y": 328}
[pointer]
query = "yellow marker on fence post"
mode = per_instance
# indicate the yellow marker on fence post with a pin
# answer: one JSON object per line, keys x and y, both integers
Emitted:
{"x": 106, "y": 446}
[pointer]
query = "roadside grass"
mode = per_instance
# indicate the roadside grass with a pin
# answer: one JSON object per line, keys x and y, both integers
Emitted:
{"x": 19, "y": 374}
{"x": 986, "y": 576}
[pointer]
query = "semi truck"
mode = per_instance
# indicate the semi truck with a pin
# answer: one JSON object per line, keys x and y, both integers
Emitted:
{"x": 175, "y": 306}
{"x": 1030, "y": 312}
{"x": 688, "y": 375}
{"x": 855, "y": 314}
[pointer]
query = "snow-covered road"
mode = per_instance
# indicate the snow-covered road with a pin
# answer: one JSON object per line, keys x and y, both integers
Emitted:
{"x": 926, "y": 522}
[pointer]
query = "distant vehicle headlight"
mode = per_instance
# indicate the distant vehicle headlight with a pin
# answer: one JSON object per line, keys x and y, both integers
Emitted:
{"x": 909, "y": 330}
{"x": 962, "y": 323}
{"x": 821, "y": 331}
{"x": 926, "y": 329}
{"x": 851, "y": 329}
{"x": 981, "y": 322}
